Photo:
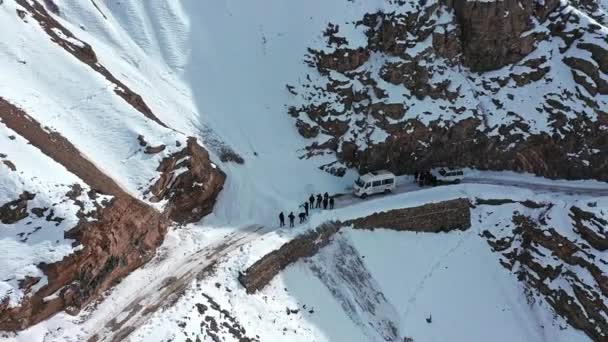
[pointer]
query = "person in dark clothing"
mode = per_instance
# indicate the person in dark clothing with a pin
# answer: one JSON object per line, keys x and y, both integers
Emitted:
{"x": 291, "y": 218}
{"x": 325, "y": 202}
{"x": 331, "y": 202}
{"x": 416, "y": 176}
{"x": 302, "y": 217}
{"x": 326, "y": 196}
{"x": 311, "y": 199}
{"x": 319, "y": 200}
{"x": 306, "y": 208}
{"x": 281, "y": 219}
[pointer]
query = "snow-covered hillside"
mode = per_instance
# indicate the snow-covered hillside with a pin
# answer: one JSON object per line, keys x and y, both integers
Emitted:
{"x": 102, "y": 191}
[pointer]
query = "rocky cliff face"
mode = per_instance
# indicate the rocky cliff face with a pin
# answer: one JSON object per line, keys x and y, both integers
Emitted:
{"x": 189, "y": 182}
{"x": 503, "y": 85}
{"x": 116, "y": 240}
{"x": 113, "y": 233}
{"x": 493, "y": 34}
{"x": 562, "y": 266}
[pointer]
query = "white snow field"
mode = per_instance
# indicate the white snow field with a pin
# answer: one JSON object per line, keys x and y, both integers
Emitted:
{"x": 217, "y": 70}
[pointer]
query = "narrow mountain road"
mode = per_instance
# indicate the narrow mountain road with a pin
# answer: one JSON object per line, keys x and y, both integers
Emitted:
{"x": 569, "y": 189}
{"x": 404, "y": 186}
{"x": 167, "y": 281}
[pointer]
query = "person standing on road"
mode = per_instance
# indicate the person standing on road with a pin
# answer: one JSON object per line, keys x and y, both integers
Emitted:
{"x": 291, "y": 218}
{"x": 319, "y": 200}
{"x": 302, "y": 217}
{"x": 306, "y": 208}
{"x": 311, "y": 199}
{"x": 331, "y": 202}
{"x": 325, "y": 202}
{"x": 326, "y": 196}
{"x": 281, "y": 219}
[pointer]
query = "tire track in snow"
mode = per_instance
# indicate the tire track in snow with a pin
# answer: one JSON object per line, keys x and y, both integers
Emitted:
{"x": 166, "y": 286}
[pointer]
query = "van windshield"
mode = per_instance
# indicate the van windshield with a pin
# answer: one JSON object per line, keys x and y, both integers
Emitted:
{"x": 359, "y": 182}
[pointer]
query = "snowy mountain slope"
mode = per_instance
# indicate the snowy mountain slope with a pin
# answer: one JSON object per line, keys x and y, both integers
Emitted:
{"x": 423, "y": 84}
{"x": 217, "y": 71}
{"x": 39, "y": 183}
{"x": 99, "y": 146}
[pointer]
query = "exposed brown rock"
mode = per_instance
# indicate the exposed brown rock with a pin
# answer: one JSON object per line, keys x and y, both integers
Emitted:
{"x": 258, "y": 275}
{"x": 10, "y": 165}
{"x": 124, "y": 237}
{"x": 56, "y": 147}
{"x": 16, "y": 210}
{"x": 341, "y": 60}
{"x": 462, "y": 144}
{"x": 591, "y": 228}
{"x": 587, "y": 312}
{"x": 590, "y": 70}
{"x": 154, "y": 149}
{"x": 191, "y": 194}
{"x": 532, "y": 241}
{"x": 447, "y": 44}
{"x": 492, "y": 32}
{"x": 125, "y": 233}
{"x": 84, "y": 52}
{"x": 453, "y": 214}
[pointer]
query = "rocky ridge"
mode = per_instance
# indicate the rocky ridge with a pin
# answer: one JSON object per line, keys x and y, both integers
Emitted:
{"x": 90, "y": 229}
{"x": 563, "y": 266}
{"x": 499, "y": 85}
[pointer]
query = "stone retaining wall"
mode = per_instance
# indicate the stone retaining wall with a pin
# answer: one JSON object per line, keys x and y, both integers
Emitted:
{"x": 433, "y": 218}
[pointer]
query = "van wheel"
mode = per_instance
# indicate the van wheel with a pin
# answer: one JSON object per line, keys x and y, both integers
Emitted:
{"x": 364, "y": 196}
{"x": 387, "y": 191}
{"x": 457, "y": 181}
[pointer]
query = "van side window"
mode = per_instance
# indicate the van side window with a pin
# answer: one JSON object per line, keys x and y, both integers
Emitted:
{"x": 387, "y": 181}
{"x": 376, "y": 183}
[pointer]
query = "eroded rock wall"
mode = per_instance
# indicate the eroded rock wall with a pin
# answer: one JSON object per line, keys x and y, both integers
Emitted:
{"x": 118, "y": 236}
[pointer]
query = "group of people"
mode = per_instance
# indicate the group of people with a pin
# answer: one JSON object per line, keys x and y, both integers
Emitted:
{"x": 423, "y": 178}
{"x": 320, "y": 201}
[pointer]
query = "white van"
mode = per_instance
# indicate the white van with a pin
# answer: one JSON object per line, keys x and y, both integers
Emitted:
{"x": 374, "y": 183}
{"x": 448, "y": 175}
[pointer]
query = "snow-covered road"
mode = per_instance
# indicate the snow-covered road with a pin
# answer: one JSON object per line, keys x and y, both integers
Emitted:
{"x": 165, "y": 289}
{"x": 536, "y": 184}
{"x": 162, "y": 282}
{"x": 178, "y": 263}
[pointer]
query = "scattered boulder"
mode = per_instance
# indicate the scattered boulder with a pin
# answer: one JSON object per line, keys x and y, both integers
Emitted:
{"x": 15, "y": 211}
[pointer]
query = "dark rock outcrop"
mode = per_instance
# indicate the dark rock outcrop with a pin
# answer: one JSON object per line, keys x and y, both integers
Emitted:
{"x": 464, "y": 144}
{"x": 190, "y": 183}
{"x": 16, "y": 210}
{"x": 493, "y": 32}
